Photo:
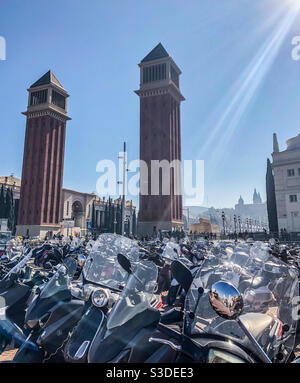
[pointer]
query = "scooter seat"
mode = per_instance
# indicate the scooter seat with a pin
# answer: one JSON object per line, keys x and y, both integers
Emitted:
{"x": 257, "y": 323}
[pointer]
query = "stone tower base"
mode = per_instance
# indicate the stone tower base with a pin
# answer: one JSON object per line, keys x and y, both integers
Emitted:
{"x": 146, "y": 228}
{"x": 37, "y": 230}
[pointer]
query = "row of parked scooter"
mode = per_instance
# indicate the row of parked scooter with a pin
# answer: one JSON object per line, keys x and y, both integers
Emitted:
{"x": 119, "y": 300}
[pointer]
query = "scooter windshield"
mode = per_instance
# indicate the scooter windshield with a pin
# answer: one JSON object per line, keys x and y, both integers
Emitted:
{"x": 268, "y": 287}
{"x": 20, "y": 265}
{"x": 102, "y": 266}
{"x": 136, "y": 296}
{"x": 171, "y": 251}
{"x": 61, "y": 280}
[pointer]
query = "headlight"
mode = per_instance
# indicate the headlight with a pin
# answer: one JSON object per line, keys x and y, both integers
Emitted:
{"x": 100, "y": 297}
{"x": 81, "y": 260}
{"x": 218, "y": 356}
{"x": 32, "y": 323}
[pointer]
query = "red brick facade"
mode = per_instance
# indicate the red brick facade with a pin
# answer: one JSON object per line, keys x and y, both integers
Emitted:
{"x": 42, "y": 173}
{"x": 160, "y": 140}
{"x": 43, "y": 159}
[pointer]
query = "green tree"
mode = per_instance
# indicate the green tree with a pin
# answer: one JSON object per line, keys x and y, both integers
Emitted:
{"x": 119, "y": 218}
{"x": 9, "y": 209}
{"x": 110, "y": 216}
{"x": 271, "y": 199}
{"x": 13, "y": 212}
{"x": 93, "y": 218}
{"x": 134, "y": 223}
{"x": 2, "y": 203}
{"x": 106, "y": 217}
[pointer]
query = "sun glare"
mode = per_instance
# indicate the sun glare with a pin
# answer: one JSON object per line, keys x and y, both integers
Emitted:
{"x": 295, "y": 4}
{"x": 238, "y": 99}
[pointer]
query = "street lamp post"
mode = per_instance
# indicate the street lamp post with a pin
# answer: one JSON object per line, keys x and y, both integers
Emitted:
{"x": 234, "y": 220}
{"x": 115, "y": 222}
{"x": 223, "y": 219}
{"x": 123, "y": 182}
{"x": 239, "y": 221}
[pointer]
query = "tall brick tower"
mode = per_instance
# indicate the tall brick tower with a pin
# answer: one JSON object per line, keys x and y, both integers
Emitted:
{"x": 160, "y": 99}
{"x": 43, "y": 159}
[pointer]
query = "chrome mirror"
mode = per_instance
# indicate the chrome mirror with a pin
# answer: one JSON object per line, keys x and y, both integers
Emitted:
{"x": 226, "y": 300}
{"x": 228, "y": 303}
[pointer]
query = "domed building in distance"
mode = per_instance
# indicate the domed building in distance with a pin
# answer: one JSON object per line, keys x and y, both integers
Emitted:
{"x": 255, "y": 210}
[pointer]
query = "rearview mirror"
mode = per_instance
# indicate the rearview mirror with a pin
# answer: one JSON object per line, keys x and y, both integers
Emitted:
{"x": 125, "y": 263}
{"x": 228, "y": 303}
{"x": 226, "y": 300}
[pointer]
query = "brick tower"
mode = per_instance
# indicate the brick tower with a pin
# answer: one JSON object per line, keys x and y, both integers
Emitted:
{"x": 43, "y": 159}
{"x": 160, "y": 99}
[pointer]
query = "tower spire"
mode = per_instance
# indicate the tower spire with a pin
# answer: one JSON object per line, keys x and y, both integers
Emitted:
{"x": 275, "y": 144}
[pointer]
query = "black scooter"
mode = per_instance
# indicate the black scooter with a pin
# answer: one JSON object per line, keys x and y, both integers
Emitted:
{"x": 94, "y": 321}
{"x": 132, "y": 320}
{"x": 50, "y": 317}
{"x": 17, "y": 290}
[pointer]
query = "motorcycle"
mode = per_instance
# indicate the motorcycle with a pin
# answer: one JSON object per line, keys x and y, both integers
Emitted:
{"x": 17, "y": 289}
{"x": 132, "y": 319}
{"x": 50, "y": 317}
{"x": 103, "y": 281}
{"x": 239, "y": 309}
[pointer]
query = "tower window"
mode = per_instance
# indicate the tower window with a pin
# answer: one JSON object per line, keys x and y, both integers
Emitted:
{"x": 174, "y": 76}
{"x": 154, "y": 73}
{"x": 293, "y": 198}
{"x": 58, "y": 99}
{"x": 39, "y": 97}
{"x": 291, "y": 172}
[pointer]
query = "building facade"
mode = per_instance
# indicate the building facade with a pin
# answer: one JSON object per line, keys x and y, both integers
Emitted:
{"x": 43, "y": 159}
{"x": 256, "y": 211}
{"x": 79, "y": 207}
{"x": 160, "y": 202}
{"x": 204, "y": 226}
{"x": 11, "y": 182}
{"x": 286, "y": 168}
{"x": 89, "y": 213}
{"x": 250, "y": 217}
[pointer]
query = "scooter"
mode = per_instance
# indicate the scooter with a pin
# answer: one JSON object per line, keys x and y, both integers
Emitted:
{"x": 17, "y": 290}
{"x": 102, "y": 293}
{"x": 50, "y": 317}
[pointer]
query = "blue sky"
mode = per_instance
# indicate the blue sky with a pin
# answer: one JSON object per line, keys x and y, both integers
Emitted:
{"x": 239, "y": 81}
